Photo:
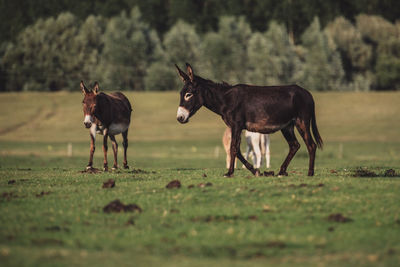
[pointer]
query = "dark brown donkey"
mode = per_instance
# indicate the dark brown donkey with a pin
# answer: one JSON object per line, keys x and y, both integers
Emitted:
{"x": 107, "y": 115}
{"x": 263, "y": 109}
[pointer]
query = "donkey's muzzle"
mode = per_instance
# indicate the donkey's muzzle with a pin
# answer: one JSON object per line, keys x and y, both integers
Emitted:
{"x": 88, "y": 124}
{"x": 182, "y": 115}
{"x": 182, "y": 119}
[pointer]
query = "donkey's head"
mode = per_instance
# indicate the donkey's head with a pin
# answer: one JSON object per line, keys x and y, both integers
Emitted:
{"x": 191, "y": 98}
{"x": 89, "y": 103}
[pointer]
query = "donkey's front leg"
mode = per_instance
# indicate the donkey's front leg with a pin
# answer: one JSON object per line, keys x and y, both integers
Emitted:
{"x": 92, "y": 146}
{"x": 235, "y": 152}
{"x": 232, "y": 152}
{"x": 250, "y": 167}
{"x": 105, "y": 148}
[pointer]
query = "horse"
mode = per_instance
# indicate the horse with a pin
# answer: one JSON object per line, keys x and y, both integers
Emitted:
{"x": 257, "y": 145}
{"x": 263, "y": 109}
{"x": 107, "y": 115}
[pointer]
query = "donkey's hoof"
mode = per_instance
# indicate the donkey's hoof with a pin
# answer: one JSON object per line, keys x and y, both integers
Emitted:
{"x": 228, "y": 175}
{"x": 89, "y": 167}
{"x": 105, "y": 168}
{"x": 281, "y": 173}
{"x": 257, "y": 173}
{"x": 126, "y": 167}
{"x": 310, "y": 173}
{"x": 114, "y": 168}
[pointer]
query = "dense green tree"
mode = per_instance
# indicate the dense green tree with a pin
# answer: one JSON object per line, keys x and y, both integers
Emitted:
{"x": 323, "y": 66}
{"x": 388, "y": 64}
{"x": 87, "y": 48}
{"x": 54, "y": 54}
{"x": 356, "y": 54}
{"x": 125, "y": 52}
{"x": 296, "y": 15}
{"x": 225, "y": 52}
{"x": 272, "y": 57}
{"x": 181, "y": 44}
{"x": 130, "y": 46}
{"x": 162, "y": 76}
{"x": 40, "y": 59}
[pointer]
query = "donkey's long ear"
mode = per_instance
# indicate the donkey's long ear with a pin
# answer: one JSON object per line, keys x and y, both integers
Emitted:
{"x": 190, "y": 72}
{"x": 84, "y": 89}
{"x": 181, "y": 74}
{"x": 96, "y": 88}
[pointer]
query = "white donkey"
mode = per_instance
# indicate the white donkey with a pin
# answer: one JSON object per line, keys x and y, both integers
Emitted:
{"x": 257, "y": 143}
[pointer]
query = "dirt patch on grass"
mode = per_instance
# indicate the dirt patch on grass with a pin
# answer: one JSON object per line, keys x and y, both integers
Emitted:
{"x": 131, "y": 221}
{"x": 252, "y": 218}
{"x": 338, "y": 217}
{"x": 118, "y": 206}
{"x": 173, "y": 184}
{"x": 110, "y": 183}
{"x": 364, "y": 172}
{"x": 9, "y": 195}
{"x": 57, "y": 228}
{"x": 276, "y": 244}
{"x": 305, "y": 185}
{"x": 140, "y": 171}
{"x": 91, "y": 170}
{"x": 201, "y": 185}
{"x": 47, "y": 241}
{"x": 11, "y": 182}
{"x": 216, "y": 218}
{"x": 269, "y": 173}
{"x": 43, "y": 193}
{"x": 391, "y": 173}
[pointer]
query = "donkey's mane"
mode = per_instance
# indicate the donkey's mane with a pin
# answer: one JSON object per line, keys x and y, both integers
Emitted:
{"x": 212, "y": 84}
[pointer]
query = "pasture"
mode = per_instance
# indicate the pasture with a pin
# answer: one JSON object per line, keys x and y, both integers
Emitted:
{"x": 348, "y": 214}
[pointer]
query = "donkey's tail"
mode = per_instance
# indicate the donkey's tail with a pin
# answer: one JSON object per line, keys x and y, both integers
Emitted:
{"x": 315, "y": 131}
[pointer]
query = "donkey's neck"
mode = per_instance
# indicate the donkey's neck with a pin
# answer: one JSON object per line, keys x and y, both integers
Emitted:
{"x": 213, "y": 95}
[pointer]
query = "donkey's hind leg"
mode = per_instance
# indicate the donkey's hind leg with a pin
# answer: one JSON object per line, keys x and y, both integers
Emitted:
{"x": 115, "y": 150}
{"x": 125, "y": 144}
{"x": 105, "y": 149}
{"x": 304, "y": 129}
{"x": 294, "y": 145}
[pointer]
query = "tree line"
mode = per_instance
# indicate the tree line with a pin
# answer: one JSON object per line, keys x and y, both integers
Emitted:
{"x": 125, "y": 51}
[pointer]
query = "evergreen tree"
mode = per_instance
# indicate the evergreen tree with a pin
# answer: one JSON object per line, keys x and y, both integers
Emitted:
{"x": 225, "y": 52}
{"x": 357, "y": 56}
{"x": 41, "y": 57}
{"x": 388, "y": 64}
{"x": 323, "y": 69}
{"x": 272, "y": 57}
{"x": 181, "y": 44}
{"x": 130, "y": 46}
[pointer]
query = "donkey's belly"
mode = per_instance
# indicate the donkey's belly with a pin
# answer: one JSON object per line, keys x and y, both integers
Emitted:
{"x": 117, "y": 128}
{"x": 264, "y": 127}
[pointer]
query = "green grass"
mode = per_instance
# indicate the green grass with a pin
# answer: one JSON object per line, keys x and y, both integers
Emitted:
{"x": 242, "y": 221}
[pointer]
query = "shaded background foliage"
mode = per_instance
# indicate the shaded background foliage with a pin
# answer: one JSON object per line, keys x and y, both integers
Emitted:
{"x": 132, "y": 44}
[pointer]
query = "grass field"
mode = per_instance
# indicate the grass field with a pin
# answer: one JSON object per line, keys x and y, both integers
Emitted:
{"x": 52, "y": 214}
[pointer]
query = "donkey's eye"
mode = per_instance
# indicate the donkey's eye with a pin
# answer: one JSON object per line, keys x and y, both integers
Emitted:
{"x": 188, "y": 96}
